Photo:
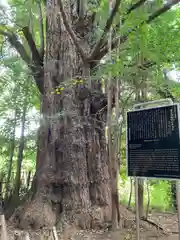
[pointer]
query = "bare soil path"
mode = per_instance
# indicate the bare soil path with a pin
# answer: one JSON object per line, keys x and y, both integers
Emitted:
{"x": 165, "y": 221}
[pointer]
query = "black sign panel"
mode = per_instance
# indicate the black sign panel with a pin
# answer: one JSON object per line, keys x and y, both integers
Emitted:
{"x": 153, "y": 142}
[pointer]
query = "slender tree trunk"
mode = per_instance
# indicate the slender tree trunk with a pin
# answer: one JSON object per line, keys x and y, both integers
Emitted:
{"x": 111, "y": 156}
{"x": 111, "y": 153}
{"x": 12, "y": 147}
{"x": 130, "y": 194}
{"x": 72, "y": 179}
{"x": 1, "y": 196}
{"x": 20, "y": 154}
{"x": 28, "y": 179}
{"x": 141, "y": 97}
{"x": 140, "y": 181}
{"x": 173, "y": 194}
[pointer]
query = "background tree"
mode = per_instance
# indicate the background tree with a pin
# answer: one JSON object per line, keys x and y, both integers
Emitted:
{"x": 13, "y": 101}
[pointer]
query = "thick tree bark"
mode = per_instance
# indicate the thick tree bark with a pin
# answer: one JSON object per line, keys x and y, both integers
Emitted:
{"x": 72, "y": 178}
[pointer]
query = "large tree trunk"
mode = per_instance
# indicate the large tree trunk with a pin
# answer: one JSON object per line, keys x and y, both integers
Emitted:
{"x": 72, "y": 178}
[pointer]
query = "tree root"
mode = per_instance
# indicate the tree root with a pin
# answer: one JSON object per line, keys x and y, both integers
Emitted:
{"x": 33, "y": 215}
{"x": 92, "y": 218}
{"x": 158, "y": 226}
{"x": 38, "y": 215}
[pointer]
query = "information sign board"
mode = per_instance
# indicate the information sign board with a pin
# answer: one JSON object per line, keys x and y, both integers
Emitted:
{"x": 153, "y": 142}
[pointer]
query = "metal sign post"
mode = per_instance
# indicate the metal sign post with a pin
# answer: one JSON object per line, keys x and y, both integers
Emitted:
{"x": 137, "y": 197}
{"x": 137, "y": 209}
{"x": 144, "y": 106}
{"x": 178, "y": 204}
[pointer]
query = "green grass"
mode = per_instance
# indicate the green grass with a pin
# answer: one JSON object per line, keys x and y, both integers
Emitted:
{"x": 160, "y": 197}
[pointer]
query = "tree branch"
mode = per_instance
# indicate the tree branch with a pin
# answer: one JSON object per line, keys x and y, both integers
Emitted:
{"x": 165, "y": 93}
{"x": 93, "y": 17}
{"x": 146, "y": 64}
{"x": 38, "y": 74}
{"x": 71, "y": 32}
{"x": 106, "y": 29}
{"x": 34, "y": 51}
{"x": 41, "y": 32}
{"x": 14, "y": 41}
{"x": 162, "y": 10}
{"x": 135, "y": 6}
{"x": 36, "y": 70}
{"x": 103, "y": 51}
{"x": 131, "y": 8}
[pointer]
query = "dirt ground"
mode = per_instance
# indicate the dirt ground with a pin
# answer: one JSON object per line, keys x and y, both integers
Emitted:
{"x": 123, "y": 234}
{"x": 166, "y": 229}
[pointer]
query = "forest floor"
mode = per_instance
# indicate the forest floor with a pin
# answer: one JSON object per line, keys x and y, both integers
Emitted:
{"x": 166, "y": 229}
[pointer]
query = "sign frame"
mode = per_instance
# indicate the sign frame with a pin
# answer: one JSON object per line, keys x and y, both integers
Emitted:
{"x": 138, "y": 108}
